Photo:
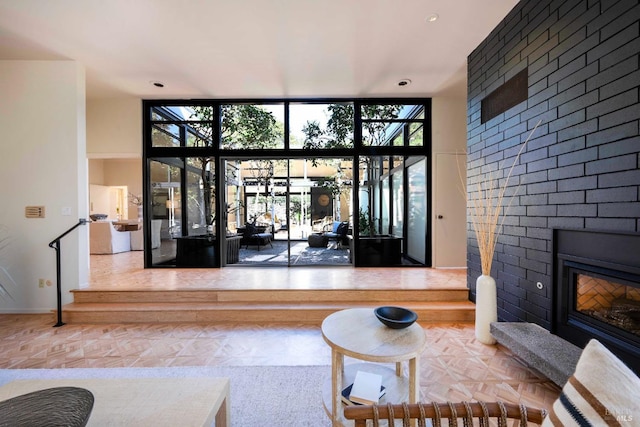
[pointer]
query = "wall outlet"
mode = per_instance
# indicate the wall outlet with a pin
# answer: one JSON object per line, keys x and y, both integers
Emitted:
{"x": 66, "y": 211}
{"x": 41, "y": 283}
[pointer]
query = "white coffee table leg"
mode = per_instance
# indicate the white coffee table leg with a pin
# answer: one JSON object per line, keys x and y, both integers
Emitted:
{"x": 414, "y": 380}
{"x": 337, "y": 364}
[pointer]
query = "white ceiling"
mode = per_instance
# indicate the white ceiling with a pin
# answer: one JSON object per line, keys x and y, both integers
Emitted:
{"x": 254, "y": 48}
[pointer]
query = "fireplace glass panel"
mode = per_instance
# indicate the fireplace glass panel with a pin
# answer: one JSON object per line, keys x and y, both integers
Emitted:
{"x": 608, "y": 301}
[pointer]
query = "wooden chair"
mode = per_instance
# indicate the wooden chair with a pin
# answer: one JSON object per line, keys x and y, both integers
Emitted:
{"x": 472, "y": 413}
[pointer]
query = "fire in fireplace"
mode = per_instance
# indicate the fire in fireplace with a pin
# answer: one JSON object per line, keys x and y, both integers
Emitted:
{"x": 597, "y": 290}
{"x": 608, "y": 301}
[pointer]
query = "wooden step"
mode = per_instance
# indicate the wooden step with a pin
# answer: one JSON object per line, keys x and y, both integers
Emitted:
{"x": 270, "y": 295}
{"x": 237, "y": 312}
{"x": 299, "y": 306}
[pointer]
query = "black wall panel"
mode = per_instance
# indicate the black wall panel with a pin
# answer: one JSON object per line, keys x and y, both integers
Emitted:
{"x": 581, "y": 167}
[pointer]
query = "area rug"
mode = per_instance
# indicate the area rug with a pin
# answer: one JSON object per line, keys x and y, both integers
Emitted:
{"x": 260, "y": 395}
{"x": 301, "y": 254}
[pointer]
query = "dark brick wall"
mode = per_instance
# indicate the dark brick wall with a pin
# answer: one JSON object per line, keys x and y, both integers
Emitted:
{"x": 580, "y": 168}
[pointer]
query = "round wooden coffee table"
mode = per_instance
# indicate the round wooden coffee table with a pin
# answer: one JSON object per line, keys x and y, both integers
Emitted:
{"x": 357, "y": 333}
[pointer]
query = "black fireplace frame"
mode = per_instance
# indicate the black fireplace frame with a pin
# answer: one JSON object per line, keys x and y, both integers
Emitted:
{"x": 604, "y": 254}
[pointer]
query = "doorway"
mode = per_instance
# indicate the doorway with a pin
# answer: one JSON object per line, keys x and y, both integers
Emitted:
{"x": 292, "y": 207}
{"x": 450, "y": 218}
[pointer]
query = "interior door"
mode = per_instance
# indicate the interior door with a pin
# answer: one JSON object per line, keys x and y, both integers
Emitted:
{"x": 450, "y": 222}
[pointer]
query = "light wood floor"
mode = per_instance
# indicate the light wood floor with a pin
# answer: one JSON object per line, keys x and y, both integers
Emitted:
{"x": 125, "y": 271}
{"x": 454, "y": 366}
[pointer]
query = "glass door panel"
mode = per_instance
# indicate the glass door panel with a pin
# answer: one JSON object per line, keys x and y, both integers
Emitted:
{"x": 385, "y": 206}
{"x": 256, "y": 219}
{"x": 417, "y": 211}
{"x": 196, "y": 213}
{"x": 166, "y": 211}
{"x": 320, "y": 211}
{"x": 398, "y": 204}
{"x": 294, "y": 205}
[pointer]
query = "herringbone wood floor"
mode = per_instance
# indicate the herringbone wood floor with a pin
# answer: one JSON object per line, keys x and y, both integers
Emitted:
{"x": 454, "y": 366}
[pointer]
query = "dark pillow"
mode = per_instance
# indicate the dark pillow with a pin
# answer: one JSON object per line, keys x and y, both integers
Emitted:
{"x": 250, "y": 229}
{"x": 342, "y": 229}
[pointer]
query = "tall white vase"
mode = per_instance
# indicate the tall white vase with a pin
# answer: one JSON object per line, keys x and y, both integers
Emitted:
{"x": 486, "y": 308}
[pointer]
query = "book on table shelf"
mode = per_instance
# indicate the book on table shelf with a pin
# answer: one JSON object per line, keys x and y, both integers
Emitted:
{"x": 366, "y": 388}
{"x": 347, "y": 391}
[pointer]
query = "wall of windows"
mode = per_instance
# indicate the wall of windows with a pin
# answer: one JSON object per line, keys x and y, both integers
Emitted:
{"x": 214, "y": 165}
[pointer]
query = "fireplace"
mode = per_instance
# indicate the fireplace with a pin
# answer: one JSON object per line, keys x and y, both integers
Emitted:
{"x": 597, "y": 290}
{"x": 608, "y": 301}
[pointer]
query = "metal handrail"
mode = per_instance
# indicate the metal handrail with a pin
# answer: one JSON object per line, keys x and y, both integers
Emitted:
{"x": 55, "y": 244}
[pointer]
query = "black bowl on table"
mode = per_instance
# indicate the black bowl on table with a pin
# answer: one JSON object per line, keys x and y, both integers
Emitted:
{"x": 98, "y": 217}
{"x": 396, "y": 317}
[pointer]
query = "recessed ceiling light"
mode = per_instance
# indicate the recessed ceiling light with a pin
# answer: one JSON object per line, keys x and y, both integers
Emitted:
{"x": 156, "y": 83}
{"x": 432, "y": 18}
{"x": 404, "y": 82}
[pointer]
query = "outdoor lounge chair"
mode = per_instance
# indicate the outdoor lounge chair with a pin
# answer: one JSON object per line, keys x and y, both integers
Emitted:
{"x": 336, "y": 231}
{"x": 252, "y": 235}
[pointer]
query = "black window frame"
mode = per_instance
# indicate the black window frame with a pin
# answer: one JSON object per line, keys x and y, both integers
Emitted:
{"x": 151, "y": 153}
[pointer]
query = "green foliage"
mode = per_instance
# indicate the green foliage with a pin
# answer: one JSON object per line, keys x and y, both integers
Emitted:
{"x": 331, "y": 185}
{"x": 242, "y": 126}
{"x": 374, "y": 133}
{"x": 366, "y": 224}
{"x": 340, "y": 124}
{"x": 295, "y": 208}
{"x": 381, "y": 112}
{"x": 249, "y": 126}
{"x": 338, "y": 133}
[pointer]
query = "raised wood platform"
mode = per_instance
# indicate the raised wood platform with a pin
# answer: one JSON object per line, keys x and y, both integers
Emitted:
{"x": 289, "y": 306}
{"x": 121, "y": 290}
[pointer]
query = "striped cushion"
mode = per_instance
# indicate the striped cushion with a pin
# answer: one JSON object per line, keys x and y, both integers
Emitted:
{"x": 602, "y": 391}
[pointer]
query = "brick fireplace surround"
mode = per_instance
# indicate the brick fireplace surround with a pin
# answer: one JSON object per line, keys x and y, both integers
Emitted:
{"x": 580, "y": 170}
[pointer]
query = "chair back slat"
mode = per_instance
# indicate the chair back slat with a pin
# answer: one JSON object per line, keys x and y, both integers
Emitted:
{"x": 436, "y": 411}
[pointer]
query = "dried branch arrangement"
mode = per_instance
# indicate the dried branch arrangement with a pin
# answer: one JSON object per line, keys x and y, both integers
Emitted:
{"x": 487, "y": 213}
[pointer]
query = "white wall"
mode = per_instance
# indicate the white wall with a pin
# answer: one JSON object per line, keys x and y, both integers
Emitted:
{"x": 96, "y": 169}
{"x": 42, "y": 163}
{"x": 449, "y": 136}
{"x": 114, "y": 128}
{"x": 115, "y": 135}
{"x": 125, "y": 172}
{"x": 114, "y": 144}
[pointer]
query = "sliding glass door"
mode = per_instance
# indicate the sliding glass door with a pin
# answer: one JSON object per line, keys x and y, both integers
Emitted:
{"x": 292, "y": 206}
